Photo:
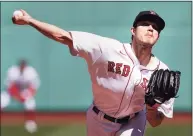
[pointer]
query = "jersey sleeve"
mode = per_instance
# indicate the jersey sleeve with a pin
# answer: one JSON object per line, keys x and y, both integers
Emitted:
{"x": 86, "y": 45}
{"x": 167, "y": 107}
{"x": 91, "y": 46}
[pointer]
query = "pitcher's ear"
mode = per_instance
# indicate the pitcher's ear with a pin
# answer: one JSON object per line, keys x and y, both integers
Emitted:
{"x": 133, "y": 30}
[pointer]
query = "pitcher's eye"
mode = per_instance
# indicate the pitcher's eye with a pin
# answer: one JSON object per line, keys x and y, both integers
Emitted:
{"x": 155, "y": 27}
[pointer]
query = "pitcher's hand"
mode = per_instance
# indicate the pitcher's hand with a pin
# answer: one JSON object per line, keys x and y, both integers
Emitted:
{"x": 21, "y": 20}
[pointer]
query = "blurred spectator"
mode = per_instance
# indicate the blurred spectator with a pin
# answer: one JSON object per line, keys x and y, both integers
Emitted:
{"x": 21, "y": 83}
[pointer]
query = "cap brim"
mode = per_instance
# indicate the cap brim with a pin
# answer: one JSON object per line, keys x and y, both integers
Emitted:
{"x": 153, "y": 18}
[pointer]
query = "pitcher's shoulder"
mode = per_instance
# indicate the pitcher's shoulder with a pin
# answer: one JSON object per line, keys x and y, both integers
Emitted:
{"x": 111, "y": 43}
{"x": 162, "y": 65}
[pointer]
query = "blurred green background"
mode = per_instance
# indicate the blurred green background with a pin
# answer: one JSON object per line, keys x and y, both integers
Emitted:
{"x": 65, "y": 83}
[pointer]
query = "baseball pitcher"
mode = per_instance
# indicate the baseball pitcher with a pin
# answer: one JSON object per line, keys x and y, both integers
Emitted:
{"x": 130, "y": 85}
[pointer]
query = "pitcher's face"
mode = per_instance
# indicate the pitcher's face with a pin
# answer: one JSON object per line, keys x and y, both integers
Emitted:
{"x": 146, "y": 33}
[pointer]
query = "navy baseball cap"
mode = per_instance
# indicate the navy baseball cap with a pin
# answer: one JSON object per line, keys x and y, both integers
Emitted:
{"x": 150, "y": 16}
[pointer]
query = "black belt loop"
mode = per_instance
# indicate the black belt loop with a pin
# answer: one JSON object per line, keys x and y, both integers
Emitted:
{"x": 123, "y": 120}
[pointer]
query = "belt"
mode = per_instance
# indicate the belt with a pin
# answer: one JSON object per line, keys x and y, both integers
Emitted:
{"x": 123, "y": 120}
